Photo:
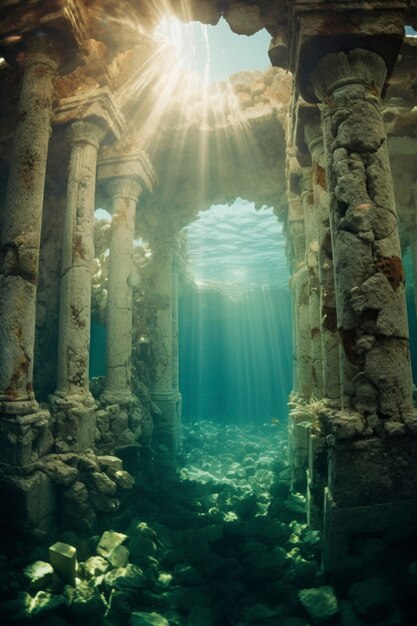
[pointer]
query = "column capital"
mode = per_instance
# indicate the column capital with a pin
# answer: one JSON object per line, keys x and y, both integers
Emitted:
{"x": 358, "y": 66}
{"x": 98, "y": 107}
{"x": 125, "y": 187}
{"x": 67, "y": 19}
{"x": 313, "y": 136}
{"x": 135, "y": 166}
{"x": 42, "y": 48}
{"x": 83, "y": 131}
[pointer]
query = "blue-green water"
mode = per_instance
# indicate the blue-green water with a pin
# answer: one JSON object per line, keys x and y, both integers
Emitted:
{"x": 235, "y": 355}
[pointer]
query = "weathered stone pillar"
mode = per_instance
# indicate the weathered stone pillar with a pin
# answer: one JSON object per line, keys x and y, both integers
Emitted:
{"x": 164, "y": 349}
{"x": 175, "y": 334}
{"x": 310, "y": 220}
{"x": 23, "y": 427}
{"x": 125, "y": 177}
{"x": 372, "y": 319}
{"x": 301, "y": 316}
{"x": 372, "y": 443}
{"x": 73, "y": 403}
{"x": 302, "y": 380}
{"x": 124, "y": 193}
{"x": 328, "y": 320}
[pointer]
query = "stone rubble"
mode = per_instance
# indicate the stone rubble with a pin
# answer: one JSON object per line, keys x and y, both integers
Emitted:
{"x": 220, "y": 541}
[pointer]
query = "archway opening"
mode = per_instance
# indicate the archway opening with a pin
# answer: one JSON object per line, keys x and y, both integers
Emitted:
{"x": 235, "y": 317}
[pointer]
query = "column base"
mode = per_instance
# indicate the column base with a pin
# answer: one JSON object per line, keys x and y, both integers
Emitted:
{"x": 372, "y": 484}
{"x": 24, "y": 439}
{"x": 167, "y": 425}
{"x": 75, "y": 421}
{"x": 117, "y": 397}
{"x": 31, "y": 502}
{"x": 341, "y": 523}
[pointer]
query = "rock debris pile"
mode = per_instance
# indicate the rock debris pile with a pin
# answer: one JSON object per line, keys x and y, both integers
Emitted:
{"x": 220, "y": 542}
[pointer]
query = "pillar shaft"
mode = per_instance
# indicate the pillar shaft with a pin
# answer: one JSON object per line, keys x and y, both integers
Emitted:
{"x": 163, "y": 340}
{"x": 300, "y": 282}
{"x": 310, "y": 220}
{"x": 124, "y": 192}
{"x": 328, "y": 321}
{"x": 78, "y": 252}
{"x": 20, "y": 235}
{"x": 164, "y": 348}
{"x": 371, "y": 312}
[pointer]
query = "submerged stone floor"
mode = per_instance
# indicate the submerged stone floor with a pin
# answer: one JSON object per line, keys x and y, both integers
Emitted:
{"x": 220, "y": 542}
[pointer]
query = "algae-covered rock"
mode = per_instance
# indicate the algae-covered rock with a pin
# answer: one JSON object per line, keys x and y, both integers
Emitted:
{"x": 38, "y": 575}
{"x": 320, "y": 603}
{"x": 109, "y": 540}
{"x": 372, "y": 597}
{"x": 85, "y": 604}
{"x": 131, "y": 577}
{"x": 147, "y": 619}
{"x": 119, "y": 557}
{"x": 95, "y": 566}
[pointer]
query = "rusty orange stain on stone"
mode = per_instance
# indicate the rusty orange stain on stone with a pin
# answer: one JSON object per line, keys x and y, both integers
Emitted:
{"x": 393, "y": 269}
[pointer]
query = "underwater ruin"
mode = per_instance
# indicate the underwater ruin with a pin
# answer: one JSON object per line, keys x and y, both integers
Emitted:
{"x": 208, "y": 313}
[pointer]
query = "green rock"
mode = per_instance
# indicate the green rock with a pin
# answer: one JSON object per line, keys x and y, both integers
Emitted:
{"x": 130, "y": 576}
{"x": 121, "y": 604}
{"x": 119, "y": 557}
{"x": 64, "y": 561}
{"x": 44, "y": 603}
{"x": 141, "y": 547}
{"x": 109, "y": 541}
{"x": 372, "y": 597}
{"x": 95, "y": 566}
{"x": 320, "y": 603}
{"x": 85, "y": 603}
{"x": 147, "y": 619}
{"x": 38, "y": 575}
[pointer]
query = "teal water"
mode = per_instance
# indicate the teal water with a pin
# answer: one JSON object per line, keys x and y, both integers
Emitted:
{"x": 235, "y": 355}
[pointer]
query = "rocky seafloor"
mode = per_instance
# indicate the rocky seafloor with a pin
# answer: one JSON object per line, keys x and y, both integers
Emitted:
{"x": 221, "y": 541}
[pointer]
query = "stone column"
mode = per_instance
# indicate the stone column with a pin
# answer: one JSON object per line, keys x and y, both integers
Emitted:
{"x": 164, "y": 349}
{"x": 22, "y": 421}
{"x": 310, "y": 220}
{"x": 328, "y": 320}
{"x": 72, "y": 402}
{"x": 124, "y": 193}
{"x": 302, "y": 378}
{"x": 303, "y": 383}
{"x": 372, "y": 442}
{"x": 124, "y": 176}
{"x": 376, "y": 375}
{"x": 175, "y": 333}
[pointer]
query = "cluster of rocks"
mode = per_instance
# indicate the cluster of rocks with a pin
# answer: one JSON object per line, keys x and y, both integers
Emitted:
{"x": 88, "y": 485}
{"x": 221, "y": 541}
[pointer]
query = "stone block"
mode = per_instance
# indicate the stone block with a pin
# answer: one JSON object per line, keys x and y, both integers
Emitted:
{"x": 75, "y": 431}
{"x": 63, "y": 559}
{"x": 38, "y": 574}
{"x": 341, "y": 522}
{"x": 31, "y": 501}
{"x": 373, "y": 471}
{"x": 24, "y": 438}
{"x": 320, "y": 603}
{"x": 110, "y": 540}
